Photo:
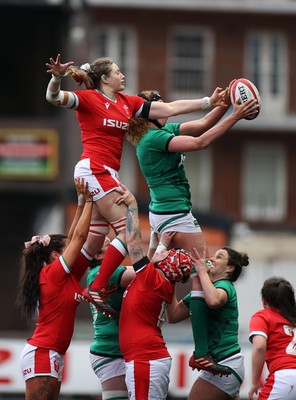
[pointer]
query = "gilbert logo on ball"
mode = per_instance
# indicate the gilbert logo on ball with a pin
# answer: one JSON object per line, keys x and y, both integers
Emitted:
{"x": 244, "y": 90}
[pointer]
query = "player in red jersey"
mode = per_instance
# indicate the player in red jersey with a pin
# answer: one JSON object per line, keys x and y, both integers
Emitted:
{"x": 147, "y": 359}
{"x": 103, "y": 113}
{"x": 49, "y": 289}
{"x": 273, "y": 335}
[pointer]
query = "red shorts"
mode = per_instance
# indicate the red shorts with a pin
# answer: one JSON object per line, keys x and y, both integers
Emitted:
{"x": 148, "y": 380}
{"x": 37, "y": 361}
{"x": 279, "y": 386}
{"x": 101, "y": 179}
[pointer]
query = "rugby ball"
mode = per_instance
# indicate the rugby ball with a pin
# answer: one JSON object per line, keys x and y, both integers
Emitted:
{"x": 244, "y": 90}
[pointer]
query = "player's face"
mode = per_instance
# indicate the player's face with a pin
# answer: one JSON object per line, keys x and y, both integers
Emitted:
{"x": 219, "y": 261}
{"x": 116, "y": 79}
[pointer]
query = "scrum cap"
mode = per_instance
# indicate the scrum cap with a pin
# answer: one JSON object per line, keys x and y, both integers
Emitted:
{"x": 176, "y": 266}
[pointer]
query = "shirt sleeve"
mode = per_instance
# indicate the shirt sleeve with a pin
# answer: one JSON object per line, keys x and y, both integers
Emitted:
{"x": 258, "y": 325}
{"x": 186, "y": 300}
{"x": 159, "y": 139}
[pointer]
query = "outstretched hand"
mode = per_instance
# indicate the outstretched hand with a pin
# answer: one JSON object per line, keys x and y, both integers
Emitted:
{"x": 198, "y": 261}
{"x": 244, "y": 110}
{"x": 126, "y": 196}
{"x": 56, "y": 68}
{"x": 82, "y": 191}
{"x": 253, "y": 392}
{"x": 227, "y": 98}
{"x": 166, "y": 238}
{"x": 218, "y": 98}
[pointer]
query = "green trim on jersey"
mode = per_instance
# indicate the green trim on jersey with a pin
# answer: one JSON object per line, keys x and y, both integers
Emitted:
{"x": 222, "y": 323}
{"x": 164, "y": 171}
{"x": 106, "y": 329}
{"x": 168, "y": 221}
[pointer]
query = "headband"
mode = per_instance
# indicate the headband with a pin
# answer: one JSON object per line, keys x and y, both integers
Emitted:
{"x": 86, "y": 67}
{"x": 44, "y": 240}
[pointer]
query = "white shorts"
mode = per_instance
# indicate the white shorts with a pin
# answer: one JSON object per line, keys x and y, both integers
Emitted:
{"x": 106, "y": 367}
{"x": 279, "y": 386}
{"x": 148, "y": 379}
{"x": 229, "y": 384}
{"x": 100, "y": 178}
{"x": 184, "y": 222}
{"x": 37, "y": 361}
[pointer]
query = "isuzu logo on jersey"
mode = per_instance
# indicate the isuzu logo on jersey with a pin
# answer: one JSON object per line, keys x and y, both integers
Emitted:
{"x": 115, "y": 124}
{"x": 78, "y": 297}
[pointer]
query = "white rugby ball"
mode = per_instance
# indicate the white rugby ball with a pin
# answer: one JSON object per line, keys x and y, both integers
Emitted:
{"x": 244, "y": 89}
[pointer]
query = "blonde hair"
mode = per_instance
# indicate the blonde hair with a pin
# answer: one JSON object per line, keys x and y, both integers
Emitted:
{"x": 92, "y": 75}
{"x": 138, "y": 127}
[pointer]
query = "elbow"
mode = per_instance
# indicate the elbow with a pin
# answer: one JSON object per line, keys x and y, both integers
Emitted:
{"x": 204, "y": 146}
{"x": 213, "y": 303}
{"x": 204, "y": 125}
{"x": 50, "y": 100}
{"x": 260, "y": 349}
{"x": 200, "y": 144}
{"x": 82, "y": 236}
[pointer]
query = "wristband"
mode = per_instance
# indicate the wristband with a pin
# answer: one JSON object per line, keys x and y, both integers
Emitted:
{"x": 88, "y": 201}
{"x": 56, "y": 78}
{"x": 160, "y": 248}
{"x": 206, "y": 103}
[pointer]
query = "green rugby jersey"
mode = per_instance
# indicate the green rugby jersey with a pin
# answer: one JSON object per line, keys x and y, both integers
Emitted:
{"x": 164, "y": 171}
{"x": 106, "y": 329}
{"x": 222, "y": 323}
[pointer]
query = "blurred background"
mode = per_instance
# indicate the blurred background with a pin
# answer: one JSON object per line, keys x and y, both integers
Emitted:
{"x": 243, "y": 186}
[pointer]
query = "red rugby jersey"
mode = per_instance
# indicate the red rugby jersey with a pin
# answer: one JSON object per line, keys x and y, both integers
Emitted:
{"x": 104, "y": 123}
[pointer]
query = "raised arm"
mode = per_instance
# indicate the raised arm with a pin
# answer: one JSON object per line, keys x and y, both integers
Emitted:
{"x": 80, "y": 232}
{"x": 177, "y": 311}
{"x": 159, "y": 109}
{"x": 79, "y": 209}
{"x": 54, "y": 94}
{"x": 133, "y": 233}
{"x": 214, "y": 297}
{"x": 189, "y": 143}
{"x": 199, "y": 126}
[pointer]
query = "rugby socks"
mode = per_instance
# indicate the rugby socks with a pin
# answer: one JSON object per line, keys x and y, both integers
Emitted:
{"x": 115, "y": 254}
{"x": 199, "y": 323}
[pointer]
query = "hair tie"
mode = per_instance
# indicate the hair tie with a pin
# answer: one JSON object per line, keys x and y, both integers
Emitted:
{"x": 44, "y": 240}
{"x": 86, "y": 67}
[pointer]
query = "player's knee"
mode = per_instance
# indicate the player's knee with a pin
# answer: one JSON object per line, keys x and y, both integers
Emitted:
{"x": 99, "y": 228}
{"x": 119, "y": 225}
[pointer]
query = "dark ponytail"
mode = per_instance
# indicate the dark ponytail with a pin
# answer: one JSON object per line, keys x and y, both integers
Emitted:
{"x": 32, "y": 261}
{"x": 279, "y": 294}
{"x": 237, "y": 260}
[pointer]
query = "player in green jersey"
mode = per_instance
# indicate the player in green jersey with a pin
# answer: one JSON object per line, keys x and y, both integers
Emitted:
{"x": 219, "y": 294}
{"x": 105, "y": 356}
{"x": 160, "y": 148}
